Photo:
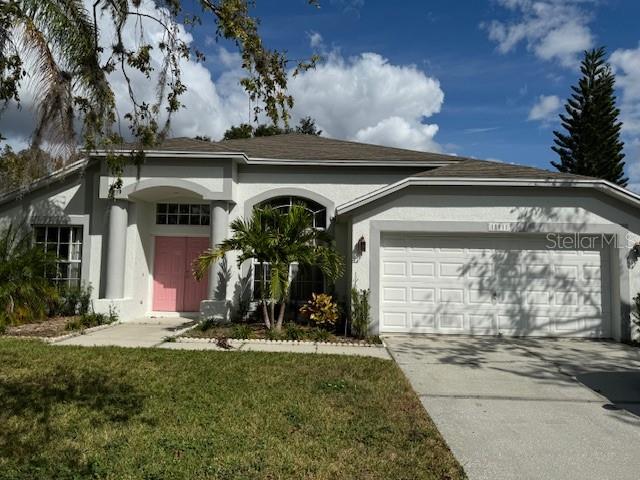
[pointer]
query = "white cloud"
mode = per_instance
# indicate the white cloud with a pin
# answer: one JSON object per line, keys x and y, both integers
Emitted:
{"x": 315, "y": 40}
{"x": 364, "y": 98}
{"x": 357, "y": 98}
{"x": 552, "y": 29}
{"x": 399, "y": 132}
{"x": 545, "y": 108}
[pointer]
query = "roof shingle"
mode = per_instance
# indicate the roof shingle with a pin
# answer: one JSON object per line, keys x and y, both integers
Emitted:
{"x": 488, "y": 169}
{"x": 295, "y": 146}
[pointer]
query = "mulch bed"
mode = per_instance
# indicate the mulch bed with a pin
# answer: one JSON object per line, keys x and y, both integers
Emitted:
{"x": 51, "y": 327}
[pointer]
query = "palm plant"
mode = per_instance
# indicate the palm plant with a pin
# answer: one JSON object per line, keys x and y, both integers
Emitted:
{"x": 278, "y": 239}
{"x": 25, "y": 292}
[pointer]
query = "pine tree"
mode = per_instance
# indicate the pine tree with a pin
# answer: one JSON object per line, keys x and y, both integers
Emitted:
{"x": 592, "y": 144}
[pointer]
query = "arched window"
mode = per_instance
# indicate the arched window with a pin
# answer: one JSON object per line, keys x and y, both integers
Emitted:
{"x": 304, "y": 280}
{"x": 318, "y": 212}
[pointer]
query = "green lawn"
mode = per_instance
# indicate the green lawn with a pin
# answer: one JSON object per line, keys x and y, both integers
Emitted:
{"x": 69, "y": 412}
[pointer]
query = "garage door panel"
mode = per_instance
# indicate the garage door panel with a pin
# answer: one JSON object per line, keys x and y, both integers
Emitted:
{"x": 490, "y": 285}
{"x": 394, "y": 269}
{"x": 423, "y": 295}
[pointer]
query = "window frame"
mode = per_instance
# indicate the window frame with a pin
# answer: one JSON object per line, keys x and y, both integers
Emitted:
{"x": 185, "y": 214}
{"x": 74, "y": 256}
{"x": 320, "y": 212}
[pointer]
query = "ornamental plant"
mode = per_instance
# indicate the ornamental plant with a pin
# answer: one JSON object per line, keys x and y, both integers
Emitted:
{"x": 321, "y": 310}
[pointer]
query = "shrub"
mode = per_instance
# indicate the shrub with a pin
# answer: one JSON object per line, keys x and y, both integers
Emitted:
{"x": 241, "y": 331}
{"x": 293, "y": 332}
{"x": 72, "y": 301}
{"x": 359, "y": 312}
{"x": 272, "y": 334}
{"x": 207, "y": 324}
{"x": 88, "y": 320}
{"x": 25, "y": 292}
{"x": 321, "y": 310}
{"x": 320, "y": 335}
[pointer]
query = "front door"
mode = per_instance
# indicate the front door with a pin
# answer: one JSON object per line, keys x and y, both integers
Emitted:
{"x": 174, "y": 288}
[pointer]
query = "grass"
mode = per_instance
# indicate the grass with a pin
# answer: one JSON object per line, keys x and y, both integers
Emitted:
{"x": 69, "y": 412}
{"x": 290, "y": 331}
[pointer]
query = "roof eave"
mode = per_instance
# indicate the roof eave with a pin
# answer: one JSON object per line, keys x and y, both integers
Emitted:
{"x": 45, "y": 181}
{"x": 601, "y": 185}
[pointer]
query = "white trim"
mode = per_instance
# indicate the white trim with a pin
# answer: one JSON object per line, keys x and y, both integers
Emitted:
{"x": 281, "y": 161}
{"x": 44, "y": 181}
{"x": 601, "y": 185}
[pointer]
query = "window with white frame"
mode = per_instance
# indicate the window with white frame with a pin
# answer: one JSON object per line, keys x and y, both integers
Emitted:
{"x": 65, "y": 242}
{"x": 182, "y": 214}
{"x": 304, "y": 280}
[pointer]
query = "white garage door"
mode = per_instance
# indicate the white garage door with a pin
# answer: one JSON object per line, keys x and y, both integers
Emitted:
{"x": 489, "y": 285}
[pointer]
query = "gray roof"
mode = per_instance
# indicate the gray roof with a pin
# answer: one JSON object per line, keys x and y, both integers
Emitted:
{"x": 296, "y": 146}
{"x": 487, "y": 169}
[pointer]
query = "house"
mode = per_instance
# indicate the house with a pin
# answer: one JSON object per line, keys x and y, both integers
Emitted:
{"x": 445, "y": 244}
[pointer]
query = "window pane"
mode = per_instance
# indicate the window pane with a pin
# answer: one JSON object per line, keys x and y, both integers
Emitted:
{"x": 184, "y": 208}
{"x": 52, "y": 234}
{"x": 77, "y": 234}
{"x": 74, "y": 270}
{"x": 76, "y": 251}
{"x": 63, "y": 270}
{"x": 65, "y": 234}
{"x": 195, "y": 209}
{"x": 161, "y": 219}
{"x": 194, "y": 220}
{"x": 52, "y": 248}
{"x": 183, "y": 219}
{"x": 63, "y": 251}
{"x": 162, "y": 208}
{"x": 41, "y": 234}
{"x": 204, "y": 220}
{"x": 172, "y": 219}
{"x": 172, "y": 208}
{"x": 204, "y": 209}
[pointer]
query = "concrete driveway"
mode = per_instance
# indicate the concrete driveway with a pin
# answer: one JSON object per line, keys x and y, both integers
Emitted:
{"x": 529, "y": 408}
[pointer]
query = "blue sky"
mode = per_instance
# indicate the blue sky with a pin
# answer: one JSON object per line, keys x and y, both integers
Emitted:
{"x": 488, "y": 93}
{"x": 481, "y": 78}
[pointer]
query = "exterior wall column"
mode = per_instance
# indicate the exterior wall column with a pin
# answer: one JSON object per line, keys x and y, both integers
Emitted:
{"x": 219, "y": 224}
{"x": 117, "y": 239}
{"x": 216, "y": 306}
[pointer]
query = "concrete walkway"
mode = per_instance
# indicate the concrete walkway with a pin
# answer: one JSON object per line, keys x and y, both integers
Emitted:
{"x": 528, "y": 408}
{"x": 146, "y": 332}
{"x": 150, "y": 332}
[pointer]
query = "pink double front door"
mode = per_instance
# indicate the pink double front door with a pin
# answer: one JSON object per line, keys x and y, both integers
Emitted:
{"x": 174, "y": 288}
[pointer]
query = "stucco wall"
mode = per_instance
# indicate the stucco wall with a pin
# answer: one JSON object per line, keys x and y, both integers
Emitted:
{"x": 528, "y": 210}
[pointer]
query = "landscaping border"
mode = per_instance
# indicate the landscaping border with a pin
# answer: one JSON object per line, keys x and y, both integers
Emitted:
{"x": 233, "y": 341}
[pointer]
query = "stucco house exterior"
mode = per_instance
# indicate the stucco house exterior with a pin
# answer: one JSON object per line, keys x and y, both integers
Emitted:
{"x": 445, "y": 244}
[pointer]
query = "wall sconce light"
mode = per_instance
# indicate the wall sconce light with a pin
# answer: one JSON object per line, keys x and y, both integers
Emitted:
{"x": 636, "y": 250}
{"x": 362, "y": 245}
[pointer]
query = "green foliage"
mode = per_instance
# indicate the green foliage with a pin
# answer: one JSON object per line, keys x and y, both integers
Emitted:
{"x": 321, "y": 310}
{"x": 72, "y": 301}
{"x": 70, "y": 58}
{"x": 88, "y": 320}
{"x": 273, "y": 334}
{"x": 320, "y": 335}
{"x": 307, "y": 126}
{"x": 207, "y": 324}
{"x": 293, "y": 332}
{"x": 592, "y": 144}
{"x": 279, "y": 239}
{"x": 359, "y": 312}
{"x": 244, "y": 130}
{"x": 25, "y": 293}
{"x": 636, "y": 309}
{"x": 241, "y": 331}
{"x": 20, "y": 169}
